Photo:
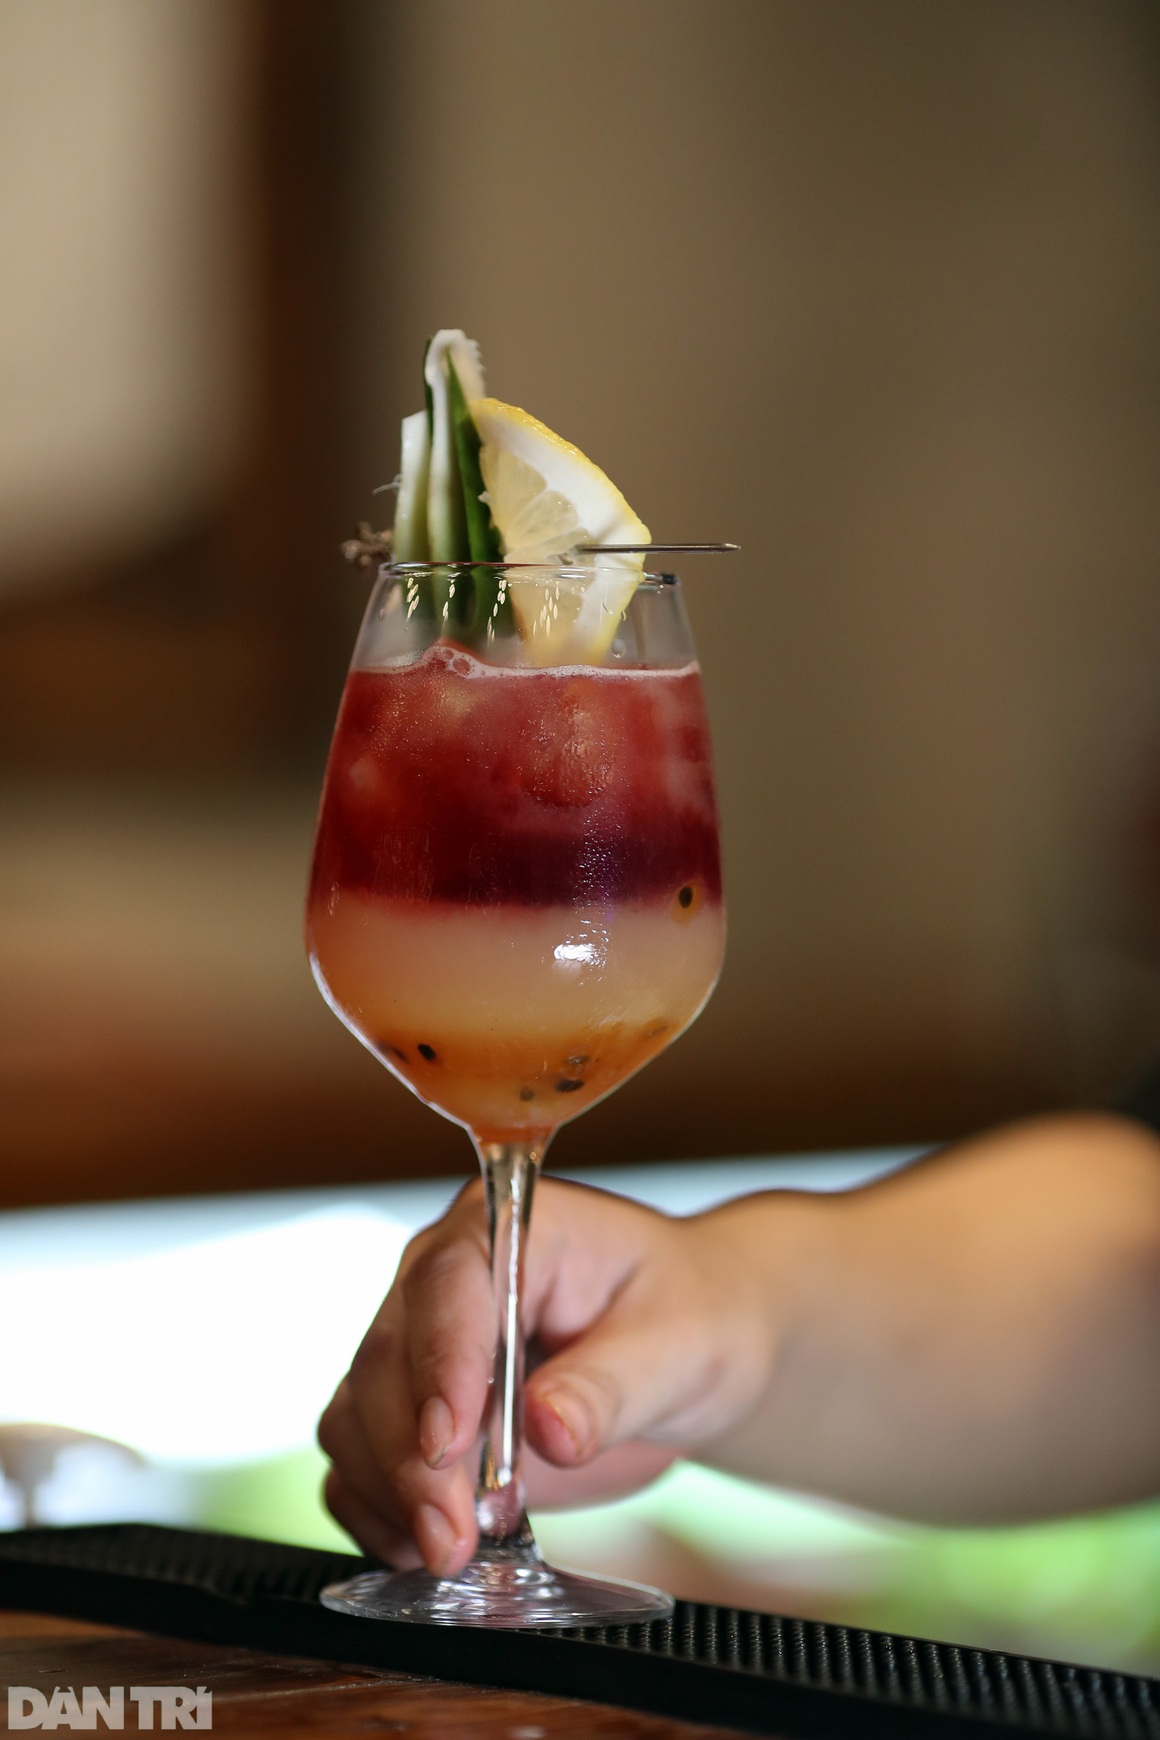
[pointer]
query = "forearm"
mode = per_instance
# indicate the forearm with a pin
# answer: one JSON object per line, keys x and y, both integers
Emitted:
{"x": 975, "y": 1339}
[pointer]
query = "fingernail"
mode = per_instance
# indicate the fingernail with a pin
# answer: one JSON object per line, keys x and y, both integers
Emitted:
{"x": 572, "y": 1414}
{"x": 434, "y": 1535}
{"x": 436, "y": 1430}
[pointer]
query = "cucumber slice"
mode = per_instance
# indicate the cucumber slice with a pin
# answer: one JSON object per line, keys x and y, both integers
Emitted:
{"x": 492, "y": 611}
{"x": 482, "y": 537}
{"x": 411, "y": 503}
{"x": 446, "y": 518}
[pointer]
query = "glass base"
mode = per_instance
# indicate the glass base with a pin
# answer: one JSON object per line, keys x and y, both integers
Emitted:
{"x": 503, "y": 1587}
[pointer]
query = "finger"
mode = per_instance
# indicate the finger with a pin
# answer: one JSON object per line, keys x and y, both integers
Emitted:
{"x": 432, "y": 1543}
{"x": 365, "y": 1527}
{"x": 393, "y": 1484}
{"x": 644, "y": 1369}
{"x": 437, "y": 1504}
{"x": 451, "y": 1329}
{"x": 342, "y": 1437}
{"x": 586, "y": 1245}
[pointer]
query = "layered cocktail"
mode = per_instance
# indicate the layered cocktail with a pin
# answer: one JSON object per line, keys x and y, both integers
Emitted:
{"x": 515, "y": 899}
{"x": 516, "y": 893}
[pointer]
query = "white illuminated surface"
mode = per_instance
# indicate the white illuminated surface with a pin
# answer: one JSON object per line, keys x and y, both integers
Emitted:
{"x": 213, "y": 1331}
{"x": 219, "y": 1350}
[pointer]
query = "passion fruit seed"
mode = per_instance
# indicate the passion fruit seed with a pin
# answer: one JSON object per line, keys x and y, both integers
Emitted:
{"x": 427, "y": 1051}
{"x": 397, "y": 1053}
{"x": 527, "y": 1093}
{"x": 578, "y": 1062}
{"x": 686, "y": 897}
{"x": 568, "y": 1085}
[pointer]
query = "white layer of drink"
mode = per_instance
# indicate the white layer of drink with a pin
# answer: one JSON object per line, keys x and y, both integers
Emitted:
{"x": 512, "y": 1018}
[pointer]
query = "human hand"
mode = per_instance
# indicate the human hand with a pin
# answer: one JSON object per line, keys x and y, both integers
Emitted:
{"x": 971, "y": 1340}
{"x": 652, "y": 1334}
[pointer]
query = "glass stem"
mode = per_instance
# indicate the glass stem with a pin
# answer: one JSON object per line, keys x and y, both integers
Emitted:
{"x": 509, "y": 1177}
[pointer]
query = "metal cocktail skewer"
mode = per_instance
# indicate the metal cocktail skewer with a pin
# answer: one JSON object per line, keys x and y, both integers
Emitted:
{"x": 647, "y": 549}
{"x": 371, "y": 546}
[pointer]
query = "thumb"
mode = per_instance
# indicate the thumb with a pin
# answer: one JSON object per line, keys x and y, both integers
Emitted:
{"x": 632, "y": 1374}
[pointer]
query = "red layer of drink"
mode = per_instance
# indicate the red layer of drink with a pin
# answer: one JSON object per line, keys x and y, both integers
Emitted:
{"x": 453, "y": 780}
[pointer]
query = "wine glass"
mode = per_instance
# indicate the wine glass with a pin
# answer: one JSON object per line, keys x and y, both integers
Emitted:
{"x": 515, "y": 902}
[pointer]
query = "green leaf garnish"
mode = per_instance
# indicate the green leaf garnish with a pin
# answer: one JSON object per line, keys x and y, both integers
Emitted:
{"x": 492, "y": 611}
{"x": 482, "y": 537}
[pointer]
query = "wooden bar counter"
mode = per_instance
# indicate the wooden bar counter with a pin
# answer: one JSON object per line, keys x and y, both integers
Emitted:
{"x": 285, "y": 1695}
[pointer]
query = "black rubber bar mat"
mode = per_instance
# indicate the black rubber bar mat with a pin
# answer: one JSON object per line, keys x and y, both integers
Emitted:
{"x": 751, "y": 1671}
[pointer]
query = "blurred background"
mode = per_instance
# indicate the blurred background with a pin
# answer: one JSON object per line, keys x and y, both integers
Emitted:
{"x": 869, "y": 286}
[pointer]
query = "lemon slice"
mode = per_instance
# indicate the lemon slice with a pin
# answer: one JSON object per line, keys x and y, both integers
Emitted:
{"x": 546, "y": 498}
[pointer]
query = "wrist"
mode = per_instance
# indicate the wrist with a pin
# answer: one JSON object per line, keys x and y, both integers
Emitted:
{"x": 773, "y": 1254}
